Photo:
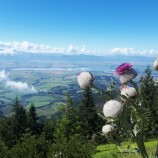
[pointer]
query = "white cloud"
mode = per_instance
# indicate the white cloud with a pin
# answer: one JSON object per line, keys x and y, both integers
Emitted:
{"x": 132, "y": 51}
{"x": 14, "y": 47}
{"x": 16, "y": 85}
{"x": 79, "y": 50}
{"x": 3, "y": 75}
{"x": 71, "y": 49}
{"x": 124, "y": 51}
{"x": 20, "y": 86}
{"x": 84, "y": 50}
{"x": 28, "y": 47}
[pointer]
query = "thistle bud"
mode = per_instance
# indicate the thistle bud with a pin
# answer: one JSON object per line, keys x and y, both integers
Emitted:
{"x": 85, "y": 79}
{"x": 155, "y": 65}
{"x": 128, "y": 91}
{"x": 107, "y": 128}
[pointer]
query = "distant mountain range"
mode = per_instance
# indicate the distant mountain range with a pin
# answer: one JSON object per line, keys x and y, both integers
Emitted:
{"x": 73, "y": 62}
{"x": 73, "y": 58}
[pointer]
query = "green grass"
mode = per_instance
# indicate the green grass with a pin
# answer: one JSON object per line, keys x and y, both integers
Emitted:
{"x": 38, "y": 104}
{"x": 11, "y": 96}
{"x": 40, "y": 98}
{"x": 48, "y": 111}
{"x": 112, "y": 151}
{"x": 6, "y": 100}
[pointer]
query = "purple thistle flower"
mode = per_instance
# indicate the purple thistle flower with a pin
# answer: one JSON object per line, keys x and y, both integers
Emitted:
{"x": 122, "y": 68}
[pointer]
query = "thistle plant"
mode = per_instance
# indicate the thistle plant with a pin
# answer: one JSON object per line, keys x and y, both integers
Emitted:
{"x": 85, "y": 79}
{"x": 107, "y": 128}
{"x": 125, "y": 72}
{"x": 112, "y": 109}
{"x": 126, "y": 107}
{"x": 155, "y": 64}
{"x": 128, "y": 92}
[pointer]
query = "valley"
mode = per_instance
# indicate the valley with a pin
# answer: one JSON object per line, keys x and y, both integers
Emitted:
{"x": 54, "y": 76}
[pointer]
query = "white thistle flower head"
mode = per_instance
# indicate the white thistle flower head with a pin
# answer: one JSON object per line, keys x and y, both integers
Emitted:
{"x": 155, "y": 64}
{"x": 112, "y": 108}
{"x": 85, "y": 79}
{"x": 128, "y": 91}
{"x": 107, "y": 128}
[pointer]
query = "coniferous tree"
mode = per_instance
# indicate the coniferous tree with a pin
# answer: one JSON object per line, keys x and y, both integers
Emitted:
{"x": 149, "y": 93}
{"x": 90, "y": 122}
{"x": 15, "y": 125}
{"x": 8, "y": 137}
{"x": 1, "y": 113}
{"x": 32, "y": 120}
{"x": 3, "y": 148}
{"x": 48, "y": 130}
{"x": 69, "y": 142}
{"x": 67, "y": 124}
{"x": 18, "y": 120}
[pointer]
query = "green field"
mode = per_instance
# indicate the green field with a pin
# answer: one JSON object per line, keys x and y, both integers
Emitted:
{"x": 112, "y": 151}
{"x": 52, "y": 87}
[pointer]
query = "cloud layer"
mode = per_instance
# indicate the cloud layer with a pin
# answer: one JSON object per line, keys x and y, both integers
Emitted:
{"x": 16, "y": 85}
{"x": 16, "y": 47}
{"x": 132, "y": 51}
{"x": 3, "y": 75}
{"x": 28, "y": 47}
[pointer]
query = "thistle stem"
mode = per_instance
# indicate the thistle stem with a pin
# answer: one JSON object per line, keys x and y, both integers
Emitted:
{"x": 120, "y": 151}
{"x": 139, "y": 138}
{"x": 141, "y": 146}
{"x": 140, "y": 141}
{"x": 134, "y": 85}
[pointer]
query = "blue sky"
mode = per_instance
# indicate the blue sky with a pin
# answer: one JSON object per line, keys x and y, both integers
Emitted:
{"x": 98, "y": 24}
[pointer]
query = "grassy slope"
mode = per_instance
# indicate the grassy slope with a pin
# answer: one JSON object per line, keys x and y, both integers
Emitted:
{"x": 111, "y": 150}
